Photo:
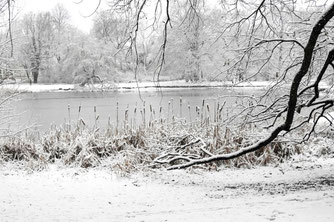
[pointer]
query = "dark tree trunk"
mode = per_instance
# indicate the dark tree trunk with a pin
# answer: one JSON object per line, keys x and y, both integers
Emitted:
{"x": 35, "y": 73}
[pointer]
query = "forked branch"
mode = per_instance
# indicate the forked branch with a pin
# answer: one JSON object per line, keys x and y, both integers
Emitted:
{"x": 290, "y": 108}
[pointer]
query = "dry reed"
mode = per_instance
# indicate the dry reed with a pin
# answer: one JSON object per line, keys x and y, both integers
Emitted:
{"x": 136, "y": 145}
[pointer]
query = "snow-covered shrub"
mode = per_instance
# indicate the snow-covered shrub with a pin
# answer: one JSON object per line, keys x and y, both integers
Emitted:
{"x": 16, "y": 149}
{"x": 155, "y": 145}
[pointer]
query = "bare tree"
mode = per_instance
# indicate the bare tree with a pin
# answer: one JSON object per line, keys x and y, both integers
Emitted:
{"x": 285, "y": 38}
{"x": 112, "y": 28}
{"x": 39, "y": 33}
{"x": 7, "y": 42}
{"x": 60, "y": 20}
{"x": 184, "y": 53}
{"x": 60, "y": 17}
{"x": 193, "y": 40}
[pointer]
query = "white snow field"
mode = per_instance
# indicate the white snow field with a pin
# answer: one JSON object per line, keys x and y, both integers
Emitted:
{"x": 298, "y": 192}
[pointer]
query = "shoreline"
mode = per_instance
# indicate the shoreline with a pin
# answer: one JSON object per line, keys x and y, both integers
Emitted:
{"x": 131, "y": 86}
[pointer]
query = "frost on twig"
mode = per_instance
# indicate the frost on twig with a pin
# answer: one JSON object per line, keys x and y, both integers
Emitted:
{"x": 194, "y": 150}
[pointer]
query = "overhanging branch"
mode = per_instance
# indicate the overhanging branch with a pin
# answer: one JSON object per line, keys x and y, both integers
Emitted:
{"x": 290, "y": 108}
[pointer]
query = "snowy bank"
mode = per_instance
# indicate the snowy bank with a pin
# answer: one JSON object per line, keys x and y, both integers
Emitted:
{"x": 128, "y": 86}
{"x": 286, "y": 193}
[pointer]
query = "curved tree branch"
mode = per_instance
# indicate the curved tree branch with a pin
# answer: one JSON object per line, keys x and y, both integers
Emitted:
{"x": 292, "y": 103}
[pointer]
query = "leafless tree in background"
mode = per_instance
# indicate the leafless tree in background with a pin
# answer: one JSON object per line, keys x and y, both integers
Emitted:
{"x": 7, "y": 44}
{"x": 39, "y": 33}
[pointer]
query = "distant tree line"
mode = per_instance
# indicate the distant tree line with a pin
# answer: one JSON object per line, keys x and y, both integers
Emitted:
{"x": 44, "y": 47}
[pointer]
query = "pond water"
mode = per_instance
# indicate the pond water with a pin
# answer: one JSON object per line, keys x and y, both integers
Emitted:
{"x": 45, "y": 108}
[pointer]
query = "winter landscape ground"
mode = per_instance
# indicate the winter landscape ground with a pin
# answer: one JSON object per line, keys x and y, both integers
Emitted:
{"x": 300, "y": 188}
{"x": 298, "y": 191}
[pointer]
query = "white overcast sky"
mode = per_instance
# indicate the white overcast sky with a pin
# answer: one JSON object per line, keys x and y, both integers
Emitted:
{"x": 77, "y": 11}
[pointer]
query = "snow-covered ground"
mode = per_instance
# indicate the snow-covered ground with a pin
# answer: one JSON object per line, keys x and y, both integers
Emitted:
{"x": 297, "y": 192}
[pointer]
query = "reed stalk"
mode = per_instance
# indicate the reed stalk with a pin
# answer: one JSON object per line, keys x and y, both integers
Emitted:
{"x": 79, "y": 112}
{"x": 215, "y": 111}
{"x": 181, "y": 107}
{"x": 160, "y": 114}
{"x": 135, "y": 117}
{"x": 202, "y": 110}
{"x": 172, "y": 102}
{"x": 208, "y": 116}
{"x": 144, "y": 113}
{"x": 69, "y": 116}
{"x": 168, "y": 111}
{"x": 126, "y": 117}
{"x": 189, "y": 110}
{"x": 96, "y": 118}
{"x": 117, "y": 119}
{"x": 151, "y": 115}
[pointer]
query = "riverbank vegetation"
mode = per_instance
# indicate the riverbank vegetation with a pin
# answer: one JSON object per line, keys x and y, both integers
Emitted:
{"x": 157, "y": 141}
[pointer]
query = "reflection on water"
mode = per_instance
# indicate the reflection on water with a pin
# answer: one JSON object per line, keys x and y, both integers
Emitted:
{"x": 46, "y": 108}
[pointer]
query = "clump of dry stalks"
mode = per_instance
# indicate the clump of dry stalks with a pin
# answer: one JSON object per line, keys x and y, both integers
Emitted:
{"x": 129, "y": 150}
{"x": 17, "y": 149}
{"x": 133, "y": 145}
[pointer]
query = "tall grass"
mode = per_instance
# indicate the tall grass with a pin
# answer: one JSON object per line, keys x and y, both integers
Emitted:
{"x": 136, "y": 143}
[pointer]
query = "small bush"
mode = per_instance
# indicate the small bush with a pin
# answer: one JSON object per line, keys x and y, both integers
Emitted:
{"x": 17, "y": 149}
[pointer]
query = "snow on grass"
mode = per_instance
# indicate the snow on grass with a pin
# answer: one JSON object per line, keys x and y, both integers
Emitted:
{"x": 38, "y": 87}
{"x": 300, "y": 189}
{"x": 74, "y": 194}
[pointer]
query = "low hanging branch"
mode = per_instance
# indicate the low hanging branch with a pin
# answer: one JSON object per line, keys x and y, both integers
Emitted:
{"x": 290, "y": 109}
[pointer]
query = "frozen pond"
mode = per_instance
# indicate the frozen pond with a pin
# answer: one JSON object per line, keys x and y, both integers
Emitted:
{"x": 46, "y": 108}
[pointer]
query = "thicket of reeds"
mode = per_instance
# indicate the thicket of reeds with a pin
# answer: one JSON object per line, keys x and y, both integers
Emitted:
{"x": 143, "y": 140}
